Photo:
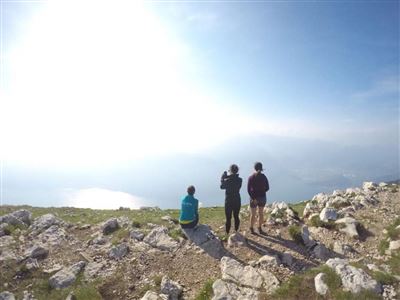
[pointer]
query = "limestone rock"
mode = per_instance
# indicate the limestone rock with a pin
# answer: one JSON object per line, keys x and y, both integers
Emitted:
{"x": 203, "y": 237}
{"x": 349, "y": 226}
{"x": 236, "y": 240}
{"x": 37, "y": 251}
{"x": 171, "y": 288}
{"x": 309, "y": 242}
{"x": 66, "y": 276}
{"x": 394, "y": 245}
{"x": 328, "y": 213}
{"x": 247, "y": 276}
{"x": 20, "y": 217}
{"x": 320, "y": 285}
{"x": 7, "y": 296}
{"x": 160, "y": 239}
{"x": 150, "y": 295}
{"x": 136, "y": 235}
{"x": 342, "y": 249}
{"x": 353, "y": 279}
{"x": 45, "y": 221}
{"x": 93, "y": 269}
{"x": 269, "y": 260}
{"x": 230, "y": 291}
{"x": 369, "y": 186}
{"x": 110, "y": 226}
{"x": 119, "y": 251}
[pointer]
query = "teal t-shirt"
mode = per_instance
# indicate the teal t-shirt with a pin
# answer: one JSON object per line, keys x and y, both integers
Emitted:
{"x": 189, "y": 209}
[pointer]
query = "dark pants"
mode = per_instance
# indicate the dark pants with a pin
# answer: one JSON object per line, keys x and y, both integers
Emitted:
{"x": 191, "y": 224}
{"x": 232, "y": 207}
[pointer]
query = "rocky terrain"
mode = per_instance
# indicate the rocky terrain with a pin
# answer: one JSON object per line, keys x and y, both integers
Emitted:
{"x": 344, "y": 245}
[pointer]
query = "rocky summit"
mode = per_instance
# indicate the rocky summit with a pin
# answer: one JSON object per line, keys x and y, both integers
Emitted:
{"x": 339, "y": 245}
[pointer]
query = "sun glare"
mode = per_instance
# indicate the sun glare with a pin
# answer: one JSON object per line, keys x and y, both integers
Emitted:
{"x": 90, "y": 82}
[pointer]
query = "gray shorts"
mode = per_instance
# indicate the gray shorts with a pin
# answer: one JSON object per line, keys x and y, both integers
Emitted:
{"x": 258, "y": 201}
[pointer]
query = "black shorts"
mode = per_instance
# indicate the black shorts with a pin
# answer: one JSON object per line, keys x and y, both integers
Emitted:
{"x": 258, "y": 201}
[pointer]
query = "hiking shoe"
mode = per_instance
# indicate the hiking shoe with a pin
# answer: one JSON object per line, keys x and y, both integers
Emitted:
{"x": 260, "y": 230}
{"x": 252, "y": 230}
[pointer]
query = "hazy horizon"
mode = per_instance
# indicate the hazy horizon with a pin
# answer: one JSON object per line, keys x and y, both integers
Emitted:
{"x": 132, "y": 102}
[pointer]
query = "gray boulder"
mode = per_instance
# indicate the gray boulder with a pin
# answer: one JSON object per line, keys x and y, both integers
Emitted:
{"x": 349, "y": 226}
{"x": 309, "y": 242}
{"x": 327, "y": 214}
{"x": 110, "y": 226}
{"x": 66, "y": 276}
{"x": 223, "y": 290}
{"x": 269, "y": 260}
{"x": 247, "y": 276}
{"x": 321, "y": 252}
{"x": 44, "y": 222}
{"x": 21, "y": 217}
{"x": 237, "y": 240}
{"x": 7, "y": 296}
{"x": 369, "y": 186}
{"x": 119, "y": 251}
{"x": 353, "y": 279}
{"x": 37, "y": 251}
{"x": 160, "y": 239}
{"x": 203, "y": 237}
{"x": 320, "y": 285}
{"x": 150, "y": 295}
{"x": 394, "y": 245}
{"x": 171, "y": 288}
{"x": 136, "y": 235}
{"x": 342, "y": 249}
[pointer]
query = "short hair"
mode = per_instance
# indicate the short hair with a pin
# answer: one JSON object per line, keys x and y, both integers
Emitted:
{"x": 191, "y": 190}
{"x": 234, "y": 169}
{"x": 258, "y": 166}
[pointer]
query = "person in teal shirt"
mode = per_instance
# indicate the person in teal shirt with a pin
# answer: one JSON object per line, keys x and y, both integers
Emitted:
{"x": 189, "y": 216}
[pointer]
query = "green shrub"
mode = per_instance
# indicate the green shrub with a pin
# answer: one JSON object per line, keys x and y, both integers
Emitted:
{"x": 394, "y": 263}
{"x": 136, "y": 224}
{"x": 176, "y": 233}
{"x": 316, "y": 221}
{"x": 295, "y": 234}
{"x": 383, "y": 246}
{"x": 383, "y": 277}
{"x": 206, "y": 291}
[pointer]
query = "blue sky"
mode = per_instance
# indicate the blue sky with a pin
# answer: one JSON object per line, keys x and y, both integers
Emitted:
{"x": 87, "y": 86}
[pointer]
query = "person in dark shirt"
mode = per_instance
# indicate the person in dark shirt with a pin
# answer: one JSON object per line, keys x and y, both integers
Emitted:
{"x": 231, "y": 184}
{"x": 257, "y": 187}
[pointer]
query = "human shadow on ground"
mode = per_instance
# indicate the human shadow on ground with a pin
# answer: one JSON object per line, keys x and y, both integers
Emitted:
{"x": 263, "y": 250}
{"x": 203, "y": 237}
{"x": 363, "y": 233}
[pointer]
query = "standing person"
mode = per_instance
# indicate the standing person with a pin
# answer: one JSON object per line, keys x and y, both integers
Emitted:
{"x": 257, "y": 188}
{"x": 231, "y": 184}
{"x": 189, "y": 216}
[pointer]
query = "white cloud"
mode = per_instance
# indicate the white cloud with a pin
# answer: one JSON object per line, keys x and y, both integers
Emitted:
{"x": 98, "y": 198}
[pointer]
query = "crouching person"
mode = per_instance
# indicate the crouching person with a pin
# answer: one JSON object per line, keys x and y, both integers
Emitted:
{"x": 189, "y": 216}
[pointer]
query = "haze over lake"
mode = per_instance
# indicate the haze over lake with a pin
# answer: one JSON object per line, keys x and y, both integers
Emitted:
{"x": 126, "y": 105}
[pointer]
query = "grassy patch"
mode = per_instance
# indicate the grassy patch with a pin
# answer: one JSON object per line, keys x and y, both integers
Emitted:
{"x": 392, "y": 232}
{"x": 119, "y": 235}
{"x": 383, "y": 277}
{"x": 383, "y": 246}
{"x": 176, "y": 233}
{"x": 394, "y": 263}
{"x": 206, "y": 291}
{"x": 299, "y": 207}
{"x": 295, "y": 234}
{"x": 301, "y": 286}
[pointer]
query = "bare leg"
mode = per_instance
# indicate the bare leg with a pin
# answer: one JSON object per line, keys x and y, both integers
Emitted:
{"x": 260, "y": 216}
{"x": 253, "y": 216}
